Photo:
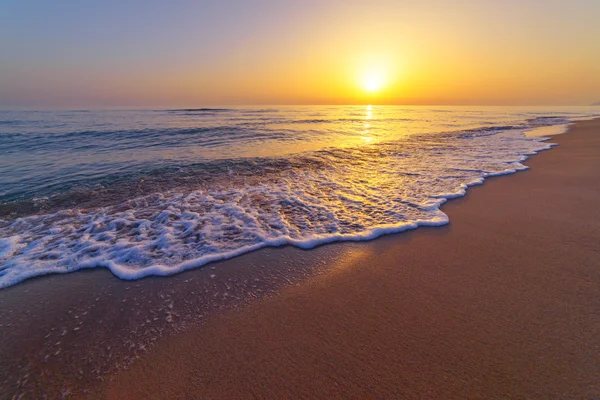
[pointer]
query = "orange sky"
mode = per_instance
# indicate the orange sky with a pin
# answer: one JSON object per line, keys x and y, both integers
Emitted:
{"x": 313, "y": 52}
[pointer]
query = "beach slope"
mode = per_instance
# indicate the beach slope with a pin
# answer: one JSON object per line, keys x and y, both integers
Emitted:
{"x": 502, "y": 303}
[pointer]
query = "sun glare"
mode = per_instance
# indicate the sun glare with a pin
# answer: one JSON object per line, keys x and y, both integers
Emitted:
{"x": 372, "y": 82}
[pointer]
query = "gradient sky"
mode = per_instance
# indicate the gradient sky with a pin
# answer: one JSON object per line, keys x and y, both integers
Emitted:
{"x": 138, "y": 53}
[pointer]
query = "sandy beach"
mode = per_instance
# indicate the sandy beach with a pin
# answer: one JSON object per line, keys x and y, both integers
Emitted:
{"x": 501, "y": 303}
{"x": 299, "y": 200}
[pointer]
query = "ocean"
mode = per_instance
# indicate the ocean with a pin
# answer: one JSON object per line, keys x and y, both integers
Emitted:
{"x": 156, "y": 192}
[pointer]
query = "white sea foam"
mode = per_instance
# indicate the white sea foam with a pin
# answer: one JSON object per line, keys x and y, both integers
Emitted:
{"x": 334, "y": 195}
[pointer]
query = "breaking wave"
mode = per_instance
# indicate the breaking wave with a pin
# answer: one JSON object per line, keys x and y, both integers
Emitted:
{"x": 220, "y": 210}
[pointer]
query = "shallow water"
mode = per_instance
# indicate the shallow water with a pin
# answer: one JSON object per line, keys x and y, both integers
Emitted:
{"x": 155, "y": 192}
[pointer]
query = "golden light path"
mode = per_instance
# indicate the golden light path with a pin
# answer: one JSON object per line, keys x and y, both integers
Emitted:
{"x": 366, "y": 136}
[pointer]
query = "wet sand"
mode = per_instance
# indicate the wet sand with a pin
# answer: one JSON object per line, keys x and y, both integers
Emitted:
{"x": 504, "y": 302}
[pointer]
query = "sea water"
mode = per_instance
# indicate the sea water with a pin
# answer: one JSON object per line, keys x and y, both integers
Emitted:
{"x": 156, "y": 192}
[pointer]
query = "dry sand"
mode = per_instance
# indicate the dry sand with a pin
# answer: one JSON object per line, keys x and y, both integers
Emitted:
{"x": 502, "y": 303}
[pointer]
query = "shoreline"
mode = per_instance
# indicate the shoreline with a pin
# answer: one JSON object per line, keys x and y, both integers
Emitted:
{"x": 311, "y": 299}
{"x": 19, "y": 227}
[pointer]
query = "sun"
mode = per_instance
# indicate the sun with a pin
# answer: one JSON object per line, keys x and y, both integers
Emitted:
{"x": 374, "y": 76}
{"x": 372, "y": 81}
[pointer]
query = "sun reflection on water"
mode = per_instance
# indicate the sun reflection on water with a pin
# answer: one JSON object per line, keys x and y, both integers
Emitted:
{"x": 366, "y": 135}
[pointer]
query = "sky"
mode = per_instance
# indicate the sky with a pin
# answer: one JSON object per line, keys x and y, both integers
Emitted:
{"x": 186, "y": 53}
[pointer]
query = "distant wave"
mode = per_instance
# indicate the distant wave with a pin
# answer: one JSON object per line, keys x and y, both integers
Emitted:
{"x": 201, "y": 110}
{"x": 548, "y": 120}
{"x": 209, "y": 111}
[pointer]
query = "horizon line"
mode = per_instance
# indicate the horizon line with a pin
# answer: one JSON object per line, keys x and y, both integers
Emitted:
{"x": 233, "y": 106}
